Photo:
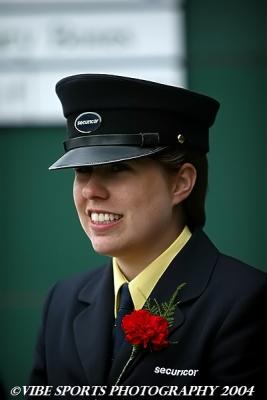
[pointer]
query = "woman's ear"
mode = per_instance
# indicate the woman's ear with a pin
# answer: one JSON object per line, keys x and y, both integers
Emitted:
{"x": 184, "y": 182}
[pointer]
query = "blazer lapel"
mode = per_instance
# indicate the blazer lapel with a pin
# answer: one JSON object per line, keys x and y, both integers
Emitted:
{"x": 192, "y": 266}
{"x": 119, "y": 362}
{"x": 93, "y": 326}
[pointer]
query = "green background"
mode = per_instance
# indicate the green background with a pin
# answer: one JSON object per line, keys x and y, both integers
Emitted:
{"x": 41, "y": 239}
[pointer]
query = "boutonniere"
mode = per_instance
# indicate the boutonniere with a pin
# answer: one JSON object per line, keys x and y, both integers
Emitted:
{"x": 148, "y": 329}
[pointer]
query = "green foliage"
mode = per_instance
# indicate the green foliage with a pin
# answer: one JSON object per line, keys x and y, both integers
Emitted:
{"x": 166, "y": 309}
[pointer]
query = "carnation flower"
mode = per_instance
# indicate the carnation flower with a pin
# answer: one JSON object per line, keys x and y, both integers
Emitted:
{"x": 144, "y": 329}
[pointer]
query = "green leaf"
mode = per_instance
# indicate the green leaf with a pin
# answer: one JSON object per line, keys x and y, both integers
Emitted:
{"x": 166, "y": 309}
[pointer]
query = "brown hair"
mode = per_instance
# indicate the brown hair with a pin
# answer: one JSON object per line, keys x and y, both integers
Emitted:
{"x": 194, "y": 205}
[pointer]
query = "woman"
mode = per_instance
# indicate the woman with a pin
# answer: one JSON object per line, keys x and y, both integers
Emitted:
{"x": 194, "y": 318}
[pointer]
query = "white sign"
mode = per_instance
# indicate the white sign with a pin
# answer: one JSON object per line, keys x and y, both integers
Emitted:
{"x": 40, "y": 46}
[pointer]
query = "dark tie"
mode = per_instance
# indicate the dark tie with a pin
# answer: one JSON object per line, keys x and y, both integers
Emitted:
{"x": 126, "y": 307}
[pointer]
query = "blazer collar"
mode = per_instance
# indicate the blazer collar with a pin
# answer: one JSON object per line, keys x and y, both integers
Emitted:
{"x": 193, "y": 266}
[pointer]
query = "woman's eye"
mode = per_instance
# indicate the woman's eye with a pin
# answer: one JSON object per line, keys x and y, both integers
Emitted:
{"x": 119, "y": 167}
{"x": 83, "y": 170}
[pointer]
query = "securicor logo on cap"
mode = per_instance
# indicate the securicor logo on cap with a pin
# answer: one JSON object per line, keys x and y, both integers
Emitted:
{"x": 87, "y": 122}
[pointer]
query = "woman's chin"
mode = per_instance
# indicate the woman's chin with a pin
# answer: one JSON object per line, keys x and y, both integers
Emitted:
{"x": 104, "y": 248}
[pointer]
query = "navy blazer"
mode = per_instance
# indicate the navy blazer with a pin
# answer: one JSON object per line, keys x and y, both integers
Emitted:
{"x": 220, "y": 326}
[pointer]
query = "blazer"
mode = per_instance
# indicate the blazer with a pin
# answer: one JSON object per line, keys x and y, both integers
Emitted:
{"x": 220, "y": 327}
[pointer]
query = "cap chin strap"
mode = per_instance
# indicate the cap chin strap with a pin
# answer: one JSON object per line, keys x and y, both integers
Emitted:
{"x": 135, "y": 139}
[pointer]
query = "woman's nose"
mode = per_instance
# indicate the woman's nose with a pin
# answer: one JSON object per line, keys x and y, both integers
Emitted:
{"x": 94, "y": 188}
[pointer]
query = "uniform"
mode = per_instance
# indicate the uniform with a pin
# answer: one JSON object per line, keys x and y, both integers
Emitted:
{"x": 220, "y": 327}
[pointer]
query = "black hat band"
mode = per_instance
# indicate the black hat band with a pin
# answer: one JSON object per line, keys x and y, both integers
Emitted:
{"x": 120, "y": 139}
{"x": 145, "y": 140}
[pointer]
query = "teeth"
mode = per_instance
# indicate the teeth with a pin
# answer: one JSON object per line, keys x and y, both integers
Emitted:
{"x": 104, "y": 218}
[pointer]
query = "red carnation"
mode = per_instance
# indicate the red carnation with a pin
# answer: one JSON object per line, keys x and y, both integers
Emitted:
{"x": 143, "y": 328}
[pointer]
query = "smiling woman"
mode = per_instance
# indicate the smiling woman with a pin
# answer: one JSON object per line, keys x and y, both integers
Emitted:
{"x": 132, "y": 192}
{"x": 139, "y": 190}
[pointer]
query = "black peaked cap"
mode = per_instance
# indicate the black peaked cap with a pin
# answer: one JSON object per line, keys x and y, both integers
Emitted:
{"x": 112, "y": 118}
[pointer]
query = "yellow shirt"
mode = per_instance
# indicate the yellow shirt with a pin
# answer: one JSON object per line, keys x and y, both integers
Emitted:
{"x": 143, "y": 284}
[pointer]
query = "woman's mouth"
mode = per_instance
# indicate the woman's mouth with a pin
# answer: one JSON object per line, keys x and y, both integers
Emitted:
{"x": 104, "y": 217}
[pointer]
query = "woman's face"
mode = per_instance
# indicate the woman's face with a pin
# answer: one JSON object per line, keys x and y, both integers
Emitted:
{"x": 127, "y": 208}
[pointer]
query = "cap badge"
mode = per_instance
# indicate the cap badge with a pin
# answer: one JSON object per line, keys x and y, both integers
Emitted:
{"x": 87, "y": 122}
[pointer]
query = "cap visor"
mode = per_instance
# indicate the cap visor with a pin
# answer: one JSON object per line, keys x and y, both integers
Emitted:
{"x": 98, "y": 155}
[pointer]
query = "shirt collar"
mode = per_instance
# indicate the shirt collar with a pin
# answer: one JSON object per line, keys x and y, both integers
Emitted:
{"x": 143, "y": 284}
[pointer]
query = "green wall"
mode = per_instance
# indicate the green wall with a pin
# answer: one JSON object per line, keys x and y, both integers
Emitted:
{"x": 227, "y": 59}
{"x": 41, "y": 240}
